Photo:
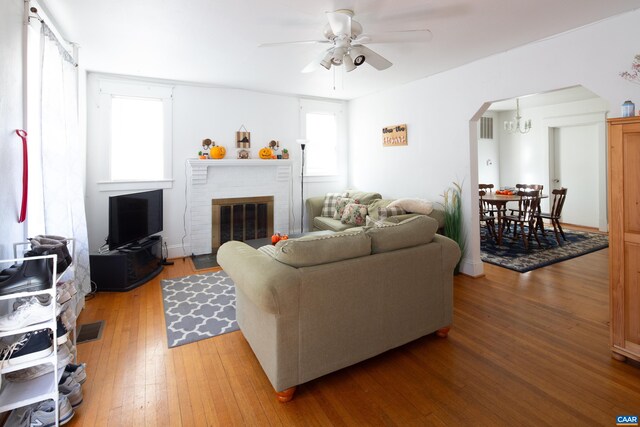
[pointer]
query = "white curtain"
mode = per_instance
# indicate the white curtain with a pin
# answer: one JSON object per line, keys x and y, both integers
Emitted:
{"x": 58, "y": 207}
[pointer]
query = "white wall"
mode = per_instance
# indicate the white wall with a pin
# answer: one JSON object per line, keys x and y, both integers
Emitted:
{"x": 438, "y": 110}
{"x": 201, "y": 112}
{"x": 11, "y": 118}
{"x": 489, "y": 155}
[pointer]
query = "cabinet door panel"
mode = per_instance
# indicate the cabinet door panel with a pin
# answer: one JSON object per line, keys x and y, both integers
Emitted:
{"x": 631, "y": 187}
{"x": 632, "y": 293}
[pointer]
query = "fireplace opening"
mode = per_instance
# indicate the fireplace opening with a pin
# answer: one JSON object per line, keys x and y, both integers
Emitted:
{"x": 241, "y": 219}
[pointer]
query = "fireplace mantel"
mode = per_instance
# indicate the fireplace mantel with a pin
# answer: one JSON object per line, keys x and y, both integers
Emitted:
{"x": 229, "y": 178}
{"x": 199, "y": 166}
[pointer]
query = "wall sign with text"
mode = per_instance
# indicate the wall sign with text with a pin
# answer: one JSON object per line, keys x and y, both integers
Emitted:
{"x": 394, "y": 135}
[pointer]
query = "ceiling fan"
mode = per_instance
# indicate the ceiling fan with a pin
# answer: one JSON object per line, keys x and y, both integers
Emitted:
{"x": 348, "y": 43}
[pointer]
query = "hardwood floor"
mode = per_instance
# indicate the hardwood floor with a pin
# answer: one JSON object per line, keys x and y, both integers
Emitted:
{"x": 525, "y": 349}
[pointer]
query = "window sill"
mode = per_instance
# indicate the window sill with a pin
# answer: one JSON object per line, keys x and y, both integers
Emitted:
{"x": 321, "y": 178}
{"x": 134, "y": 185}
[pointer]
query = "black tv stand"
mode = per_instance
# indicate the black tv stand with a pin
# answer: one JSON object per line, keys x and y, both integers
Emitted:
{"x": 128, "y": 267}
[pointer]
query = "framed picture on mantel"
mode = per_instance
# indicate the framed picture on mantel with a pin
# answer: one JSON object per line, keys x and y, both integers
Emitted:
{"x": 394, "y": 135}
{"x": 243, "y": 138}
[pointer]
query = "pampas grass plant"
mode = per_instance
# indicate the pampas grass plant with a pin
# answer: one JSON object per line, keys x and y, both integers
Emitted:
{"x": 453, "y": 216}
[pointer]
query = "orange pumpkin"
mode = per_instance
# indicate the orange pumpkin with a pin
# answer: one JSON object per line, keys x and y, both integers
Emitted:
{"x": 265, "y": 153}
{"x": 217, "y": 152}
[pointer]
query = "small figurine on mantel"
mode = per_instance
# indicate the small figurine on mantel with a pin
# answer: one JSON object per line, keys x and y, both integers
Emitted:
{"x": 285, "y": 153}
{"x": 206, "y": 146}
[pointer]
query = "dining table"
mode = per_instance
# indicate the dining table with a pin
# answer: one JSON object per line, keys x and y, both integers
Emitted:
{"x": 500, "y": 202}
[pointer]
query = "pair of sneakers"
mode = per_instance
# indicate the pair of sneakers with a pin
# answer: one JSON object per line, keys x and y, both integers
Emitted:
{"x": 23, "y": 348}
{"x": 27, "y": 311}
{"x": 42, "y": 414}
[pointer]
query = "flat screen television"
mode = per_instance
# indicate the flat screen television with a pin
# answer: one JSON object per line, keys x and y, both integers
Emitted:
{"x": 133, "y": 217}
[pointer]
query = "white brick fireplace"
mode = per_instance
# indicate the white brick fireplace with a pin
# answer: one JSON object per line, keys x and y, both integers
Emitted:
{"x": 229, "y": 178}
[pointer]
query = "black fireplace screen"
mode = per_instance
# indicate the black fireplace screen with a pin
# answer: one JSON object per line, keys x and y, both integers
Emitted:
{"x": 241, "y": 219}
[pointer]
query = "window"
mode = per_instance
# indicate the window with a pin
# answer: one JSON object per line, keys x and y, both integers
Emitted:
{"x": 137, "y": 122}
{"x": 321, "y": 128}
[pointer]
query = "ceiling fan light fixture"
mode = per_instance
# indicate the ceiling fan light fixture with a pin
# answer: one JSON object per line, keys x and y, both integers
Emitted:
{"x": 348, "y": 63}
{"x": 327, "y": 60}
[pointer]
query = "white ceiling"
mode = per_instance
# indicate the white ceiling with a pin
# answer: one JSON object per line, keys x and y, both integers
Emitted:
{"x": 561, "y": 96}
{"x": 216, "y": 41}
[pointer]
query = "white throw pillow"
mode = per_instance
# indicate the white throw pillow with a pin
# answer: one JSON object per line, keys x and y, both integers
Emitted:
{"x": 419, "y": 206}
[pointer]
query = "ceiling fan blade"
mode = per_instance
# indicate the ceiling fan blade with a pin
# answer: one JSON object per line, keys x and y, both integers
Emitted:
{"x": 296, "y": 42}
{"x": 370, "y": 57}
{"x": 406, "y": 36}
{"x": 315, "y": 64}
{"x": 340, "y": 22}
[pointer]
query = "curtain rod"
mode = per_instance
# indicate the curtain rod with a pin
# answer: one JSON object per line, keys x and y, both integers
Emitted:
{"x": 51, "y": 35}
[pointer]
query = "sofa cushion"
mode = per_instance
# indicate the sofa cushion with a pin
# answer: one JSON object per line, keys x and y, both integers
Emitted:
{"x": 329, "y": 205}
{"x": 313, "y": 250}
{"x": 322, "y": 223}
{"x": 354, "y": 214}
{"x": 364, "y": 197}
{"x": 420, "y": 206}
{"x": 384, "y": 213}
{"x": 414, "y": 231}
{"x": 375, "y": 204}
{"x": 342, "y": 203}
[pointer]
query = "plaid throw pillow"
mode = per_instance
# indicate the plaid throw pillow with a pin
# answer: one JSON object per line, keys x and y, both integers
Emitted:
{"x": 329, "y": 206}
{"x": 384, "y": 213}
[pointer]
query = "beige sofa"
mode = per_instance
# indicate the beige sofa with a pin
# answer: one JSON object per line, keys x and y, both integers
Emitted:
{"x": 316, "y": 221}
{"x": 313, "y": 305}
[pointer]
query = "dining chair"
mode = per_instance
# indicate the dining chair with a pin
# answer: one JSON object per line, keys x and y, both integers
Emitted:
{"x": 559, "y": 196}
{"x": 526, "y": 215}
{"x": 530, "y": 188}
{"x": 488, "y": 188}
{"x": 486, "y": 216}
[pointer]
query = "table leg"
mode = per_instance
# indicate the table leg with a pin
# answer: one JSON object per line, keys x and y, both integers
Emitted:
{"x": 499, "y": 225}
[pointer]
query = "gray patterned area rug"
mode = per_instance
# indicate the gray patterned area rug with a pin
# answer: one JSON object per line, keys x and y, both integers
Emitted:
{"x": 198, "y": 307}
{"x": 513, "y": 255}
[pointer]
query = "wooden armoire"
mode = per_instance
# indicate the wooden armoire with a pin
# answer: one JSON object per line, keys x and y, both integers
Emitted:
{"x": 624, "y": 237}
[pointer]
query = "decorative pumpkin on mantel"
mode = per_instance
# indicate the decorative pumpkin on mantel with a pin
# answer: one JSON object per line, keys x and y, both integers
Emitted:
{"x": 265, "y": 153}
{"x": 217, "y": 152}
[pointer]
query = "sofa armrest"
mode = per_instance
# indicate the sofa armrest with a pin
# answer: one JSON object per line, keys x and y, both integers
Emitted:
{"x": 269, "y": 284}
{"x": 313, "y": 206}
{"x": 450, "y": 252}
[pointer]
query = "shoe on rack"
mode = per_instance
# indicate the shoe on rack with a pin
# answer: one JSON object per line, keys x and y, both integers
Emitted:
{"x": 27, "y": 374}
{"x": 44, "y": 415}
{"x": 21, "y": 416}
{"x": 65, "y": 291}
{"x": 72, "y": 390}
{"x": 68, "y": 318}
{"x": 62, "y": 333}
{"x": 29, "y": 311}
{"x": 63, "y": 240}
{"x": 31, "y": 275}
{"x": 41, "y": 244}
{"x": 72, "y": 348}
{"x": 77, "y": 372}
{"x": 24, "y": 348}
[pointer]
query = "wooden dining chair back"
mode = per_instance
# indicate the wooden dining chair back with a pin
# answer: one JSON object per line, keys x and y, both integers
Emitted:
{"x": 559, "y": 196}
{"x": 526, "y": 214}
{"x": 486, "y": 187}
{"x": 486, "y": 215}
{"x": 530, "y": 188}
